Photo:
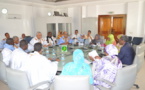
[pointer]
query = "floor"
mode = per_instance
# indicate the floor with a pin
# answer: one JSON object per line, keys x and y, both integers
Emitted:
{"x": 140, "y": 80}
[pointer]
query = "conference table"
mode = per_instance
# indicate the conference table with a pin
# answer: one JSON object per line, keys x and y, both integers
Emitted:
{"x": 66, "y": 57}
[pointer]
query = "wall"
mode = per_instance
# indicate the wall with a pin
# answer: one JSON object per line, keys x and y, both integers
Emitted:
{"x": 135, "y": 15}
{"x": 134, "y": 10}
{"x": 27, "y": 23}
{"x": 76, "y": 14}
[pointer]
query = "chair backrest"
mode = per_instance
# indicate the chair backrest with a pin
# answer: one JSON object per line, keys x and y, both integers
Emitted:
{"x": 129, "y": 39}
{"x": 17, "y": 80}
{"x": 3, "y": 72}
{"x": 28, "y": 38}
{"x": 71, "y": 83}
{"x": 140, "y": 48}
{"x": 139, "y": 60}
{"x": 1, "y": 57}
{"x": 137, "y": 40}
{"x": 125, "y": 78}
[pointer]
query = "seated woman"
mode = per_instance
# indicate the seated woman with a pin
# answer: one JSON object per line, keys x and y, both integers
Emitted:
{"x": 78, "y": 66}
{"x": 106, "y": 68}
{"x": 110, "y": 40}
{"x": 97, "y": 39}
{"x": 65, "y": 40}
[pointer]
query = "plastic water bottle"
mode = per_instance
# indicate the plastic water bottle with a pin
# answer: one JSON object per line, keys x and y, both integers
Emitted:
{"x": 47, "y": 52}
{"x": 62, "y": 57}
{"x": 53, "y": 54}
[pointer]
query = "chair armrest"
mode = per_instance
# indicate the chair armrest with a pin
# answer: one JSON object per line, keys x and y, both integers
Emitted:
{"x": 124, "y": 65}
{"x": 39, "y": 84}
{"x": 102, "y": 88}
{"x": 105, "y": 81}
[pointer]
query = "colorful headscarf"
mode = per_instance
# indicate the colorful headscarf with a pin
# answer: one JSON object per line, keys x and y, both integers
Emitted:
{"x": 111, "y": 41}
{"x": 107, "y": 67}
{"x": 78, "y": 66}
{"x": 111, "y": 50}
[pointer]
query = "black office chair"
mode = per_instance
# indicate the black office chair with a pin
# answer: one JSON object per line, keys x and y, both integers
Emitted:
{"x": 130, "y": 39}
{"x": 28, "y": 38}
{"x": 137, "y": 40}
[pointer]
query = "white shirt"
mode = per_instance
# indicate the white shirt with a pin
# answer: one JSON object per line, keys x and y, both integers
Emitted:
{"x": 52, "y": 41}
{"x": 36, "y": 40}
{"x": 18, "y": 59}
{"x": 75, "y": 36}
{"x": 6, "y": 53}
{"x": 39, "y": 69}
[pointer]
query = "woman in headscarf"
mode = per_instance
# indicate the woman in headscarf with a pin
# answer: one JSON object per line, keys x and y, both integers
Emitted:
{"x": 106, "y": 68}
{"x": 78, "y": 66}
{"x": 110, "y": 40}
{"x": 97, "y": 39}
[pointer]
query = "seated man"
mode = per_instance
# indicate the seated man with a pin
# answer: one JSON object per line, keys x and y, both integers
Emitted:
{"x": 7, "y": 36}
{"x": 23, "y": 36}
{"x": 19, "y": 56}
{"x": 39, "y": 68}
{"x": 7, "y": 51}
{"x": 126, "y": 54}
{"x": 16, "y": 41}
{"x": 39, "y": 38}
{"x": 65, "y": 40}
{"x": 50, "y": 38}
{"x": 81, "y": 40}
{"x": 4, "y": 40}
{"x": 89, "y": 38}
{"x": 75, "y": 36}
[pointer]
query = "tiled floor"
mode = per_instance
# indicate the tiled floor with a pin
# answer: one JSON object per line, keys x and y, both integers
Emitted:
{"x": 140, "y": 80}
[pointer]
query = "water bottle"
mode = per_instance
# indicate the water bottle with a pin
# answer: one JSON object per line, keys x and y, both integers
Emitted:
{"x": 99, "y": 45}
{"x": 102, "y": 47}
{"x": 62, "y": 57}
{"x": 53, "y": 54}
{"x": 47, "y": 52}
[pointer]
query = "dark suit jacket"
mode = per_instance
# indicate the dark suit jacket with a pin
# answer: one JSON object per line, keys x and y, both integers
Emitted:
{"x": 126, "y": 54}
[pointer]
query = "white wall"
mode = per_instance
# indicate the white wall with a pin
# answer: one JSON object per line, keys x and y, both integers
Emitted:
{"x": 76, "y": 14}
{"x": 135, "y": 17}
{"x": 27, "y": 23}
{"x": 115, "y": 8}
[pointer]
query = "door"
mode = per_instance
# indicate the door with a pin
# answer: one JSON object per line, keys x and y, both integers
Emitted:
{"x": 114, "y": 24}
{"x": 104, "y": 25}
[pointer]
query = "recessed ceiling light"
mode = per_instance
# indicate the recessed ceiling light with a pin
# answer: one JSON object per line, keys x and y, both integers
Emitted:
{"x": 4, "y": 11}
{"x": 49, "y": 13}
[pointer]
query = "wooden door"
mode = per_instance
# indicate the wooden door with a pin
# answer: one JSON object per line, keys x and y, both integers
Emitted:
{"x": 104, "y": 25}
{"x": 115, "y": 24}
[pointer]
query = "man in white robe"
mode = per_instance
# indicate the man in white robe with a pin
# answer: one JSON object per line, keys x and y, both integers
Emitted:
{"x": 7, "y": 51}
{"x": 39, "y": 68}
{"x": 75, "y": 36}
{"x": 16, "y": 41}
{"x": 19, "y": 56}
{"x": 39, "y": 38}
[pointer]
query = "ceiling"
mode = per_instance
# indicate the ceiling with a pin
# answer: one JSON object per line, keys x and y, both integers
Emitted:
{"x": 62, "y": 3}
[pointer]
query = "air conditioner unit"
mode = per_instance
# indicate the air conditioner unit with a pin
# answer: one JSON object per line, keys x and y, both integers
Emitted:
{"x": 14, "y": 16}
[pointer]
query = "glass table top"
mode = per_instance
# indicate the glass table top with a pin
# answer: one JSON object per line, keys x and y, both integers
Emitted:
{"x": 66, "y": 57}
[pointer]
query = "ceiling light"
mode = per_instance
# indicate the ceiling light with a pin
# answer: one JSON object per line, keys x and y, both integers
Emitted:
{"x": 49, "y": 13}
{"x": 4, "y": 11}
